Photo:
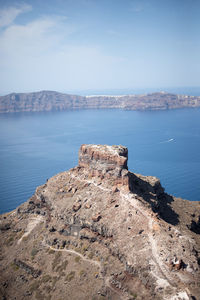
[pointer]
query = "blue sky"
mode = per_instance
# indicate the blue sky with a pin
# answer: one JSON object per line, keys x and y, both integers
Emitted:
{"x": 67, "y": 45}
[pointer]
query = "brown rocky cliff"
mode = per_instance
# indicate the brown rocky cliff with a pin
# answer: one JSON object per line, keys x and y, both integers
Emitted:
{"x": 105, "y": 162}
{"x": 113, "y": 233}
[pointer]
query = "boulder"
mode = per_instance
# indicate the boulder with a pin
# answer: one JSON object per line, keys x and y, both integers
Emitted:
{"x": 76, "y": 206}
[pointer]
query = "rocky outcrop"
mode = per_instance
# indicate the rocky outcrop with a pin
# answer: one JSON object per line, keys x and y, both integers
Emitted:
{"x": 105, "y": 162}
{"x": 98, "y": 226}
{"x": 54, "y": 101}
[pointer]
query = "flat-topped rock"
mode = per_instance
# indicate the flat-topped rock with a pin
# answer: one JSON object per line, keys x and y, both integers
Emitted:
{"x": 104, "y": 160}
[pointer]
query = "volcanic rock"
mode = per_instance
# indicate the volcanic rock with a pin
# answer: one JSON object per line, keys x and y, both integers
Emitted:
{"x": 99, "y": 227}
{"x": 76, "y": 206}
{"x": 105, "y": 162}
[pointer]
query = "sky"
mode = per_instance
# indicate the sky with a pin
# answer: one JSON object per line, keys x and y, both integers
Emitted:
{"x": 72, "y": 45}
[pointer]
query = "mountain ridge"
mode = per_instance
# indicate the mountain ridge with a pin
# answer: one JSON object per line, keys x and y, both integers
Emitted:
{"x": 99, "y": 231}
{"x": 52, "y": 100}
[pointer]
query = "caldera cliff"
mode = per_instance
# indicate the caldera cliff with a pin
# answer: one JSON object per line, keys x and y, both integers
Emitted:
{"x": 54, "y": 101}
{"x": 99, "y": 231}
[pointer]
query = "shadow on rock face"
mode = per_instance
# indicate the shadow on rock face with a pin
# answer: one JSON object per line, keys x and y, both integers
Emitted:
{"x": 150, "y": 189}
{"x": 195, "y": 226}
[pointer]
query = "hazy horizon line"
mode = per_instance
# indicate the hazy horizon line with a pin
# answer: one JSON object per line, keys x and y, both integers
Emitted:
{"x": 118, "y": 91}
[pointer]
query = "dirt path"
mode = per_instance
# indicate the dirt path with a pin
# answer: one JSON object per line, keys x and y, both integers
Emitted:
{"x": 162, "y": 276}
{"x": 106, "y": 279}
{"x": 92, "y": 261}
{"x": 165, "y": 281}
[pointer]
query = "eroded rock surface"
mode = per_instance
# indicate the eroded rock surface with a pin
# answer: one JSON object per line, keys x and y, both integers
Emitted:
{"x": 105, "y": 162}
{"x": 99, "y": 231}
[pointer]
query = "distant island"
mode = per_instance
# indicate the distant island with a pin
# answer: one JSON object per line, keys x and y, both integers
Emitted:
{"x": 54, "y": 101}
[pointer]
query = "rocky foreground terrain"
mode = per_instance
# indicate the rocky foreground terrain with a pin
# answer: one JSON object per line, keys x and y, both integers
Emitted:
{"x": 99, "y": 231}
{"x": 52, "y": 101}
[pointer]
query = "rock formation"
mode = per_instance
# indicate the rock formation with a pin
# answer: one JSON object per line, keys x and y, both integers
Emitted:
{"x": 99, "y": 231}
{"x": 54, "y": 101}
{"x": 105, "y": 162}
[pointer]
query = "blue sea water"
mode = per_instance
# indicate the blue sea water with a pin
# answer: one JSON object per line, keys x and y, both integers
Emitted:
{"x": 36, "y": 146}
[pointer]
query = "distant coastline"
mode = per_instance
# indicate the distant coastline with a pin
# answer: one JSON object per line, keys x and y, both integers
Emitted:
{"x": 55, "y": 101}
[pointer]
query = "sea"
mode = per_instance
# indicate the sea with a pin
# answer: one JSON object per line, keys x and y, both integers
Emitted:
{"x": 36, "y": 146}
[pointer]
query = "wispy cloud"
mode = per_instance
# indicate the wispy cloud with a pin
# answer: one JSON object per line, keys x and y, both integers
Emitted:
{"x": 8, "y": 15}
{"x": 32, "y": 38}
{"x": 63, "y": 51}
{"x": 41, "y": 54}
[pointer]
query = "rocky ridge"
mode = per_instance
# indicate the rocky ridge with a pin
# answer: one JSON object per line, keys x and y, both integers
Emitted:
{"x": 99, "y": 231}
{"x": 54, "y": 101}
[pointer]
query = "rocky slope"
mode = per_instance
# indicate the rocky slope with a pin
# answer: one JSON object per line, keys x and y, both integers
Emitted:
{"x": 99, "y": 231}
{"x": 49, "y": 101}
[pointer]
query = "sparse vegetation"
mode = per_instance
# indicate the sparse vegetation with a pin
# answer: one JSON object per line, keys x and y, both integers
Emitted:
{"x": 10, "y": 240}
{"x": 14, "y": 266}
{"x": 133, "y": 295}
{"x": 20, "y": 234}
{"x": 66, "y": 246}
{"x": 77, "y": 259}
{"x": 56, "y": 260}
{"x": 82, "y": 273}
{"x": 46, "y": 278}
{"x": 84, "y": 249}
{"x": 62, "y": 267}
{"x": 70, "y": 276}
{"x": 107, "y": 258}
{"x": 54, "y": 280}
{"x": 34, "y": 251}
{"x": 91, "y": 255}
{"x": 78, "y": 249}
{"x": 25, "y": 238}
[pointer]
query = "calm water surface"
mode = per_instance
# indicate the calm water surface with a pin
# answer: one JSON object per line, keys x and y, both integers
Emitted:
{"x": 36, "y": 146}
